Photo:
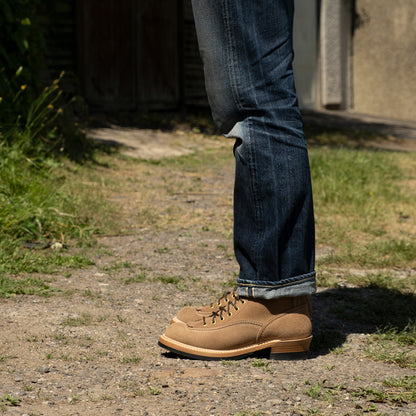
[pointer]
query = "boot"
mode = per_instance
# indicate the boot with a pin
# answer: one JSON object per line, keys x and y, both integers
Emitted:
{"x": 240, "y": 327}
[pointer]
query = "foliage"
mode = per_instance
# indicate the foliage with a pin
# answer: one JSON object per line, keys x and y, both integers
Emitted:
{"x": 38, "y": 120}
{"x": 20, "y": 44}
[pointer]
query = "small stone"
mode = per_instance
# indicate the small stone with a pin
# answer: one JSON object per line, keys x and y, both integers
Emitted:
{"x": 56, "y": 246}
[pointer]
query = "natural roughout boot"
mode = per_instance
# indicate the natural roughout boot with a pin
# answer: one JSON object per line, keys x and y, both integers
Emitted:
{"x": 193, "y": 313}
{"x": 242, "y": 327}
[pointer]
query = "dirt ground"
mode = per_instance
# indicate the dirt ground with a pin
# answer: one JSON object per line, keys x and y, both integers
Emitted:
{"x": 91, "y": 348}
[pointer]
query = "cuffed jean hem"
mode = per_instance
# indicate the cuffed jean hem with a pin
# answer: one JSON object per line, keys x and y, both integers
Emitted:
{"x": 302, "y": 285}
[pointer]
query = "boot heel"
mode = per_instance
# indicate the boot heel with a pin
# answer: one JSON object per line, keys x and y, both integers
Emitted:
{"x": 291, "y": 350}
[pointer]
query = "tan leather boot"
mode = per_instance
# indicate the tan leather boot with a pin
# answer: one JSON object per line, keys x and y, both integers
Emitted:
{"x": 242, "y": 327}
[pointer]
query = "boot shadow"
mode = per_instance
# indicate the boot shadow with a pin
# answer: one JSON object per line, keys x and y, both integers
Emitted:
{"x": 343, "y": 311}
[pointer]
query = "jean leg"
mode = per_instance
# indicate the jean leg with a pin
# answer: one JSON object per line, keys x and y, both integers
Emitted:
{"x": 247, "y": 51}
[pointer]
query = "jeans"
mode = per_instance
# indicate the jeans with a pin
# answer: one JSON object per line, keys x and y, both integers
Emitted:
{"x": 246, "y": 48}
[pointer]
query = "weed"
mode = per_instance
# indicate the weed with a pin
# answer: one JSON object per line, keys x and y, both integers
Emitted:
{"x": 59, "y": 337}
{"x": 9, "y": 400}
{"x": 88, "y": 293}
{"x": 314, "y": 390}
{"x": 121, "y": 319}
{"x": 131, "y": 360}
{"x": 133, "y": 387}
{"x": 226, "y": 363}
{"x": 264, "y": 365}
{"x": 75, "y": 398}
{"x": 118, "y": 266}
{"x": 174, "y": 280}
{"x": 154, "y": 391}
{"x": 83, "y": 319}
{"x": 163, "y": 250}
{"x": 135, "y": 279}
{"x": 122, "y": 334}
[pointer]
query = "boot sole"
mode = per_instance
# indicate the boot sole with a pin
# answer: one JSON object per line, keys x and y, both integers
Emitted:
{"x": 277, "y": 349}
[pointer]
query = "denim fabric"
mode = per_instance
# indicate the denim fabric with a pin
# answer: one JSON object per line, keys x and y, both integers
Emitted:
{"x": 246, "y": 47}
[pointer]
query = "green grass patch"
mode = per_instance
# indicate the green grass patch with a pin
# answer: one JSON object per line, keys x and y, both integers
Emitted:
{"x": 27, "y": 261}
{"x": 405, "y": 336}
{"x": 364, "y": 207}
{"x": 393, "y": 345}
{"x": 15, "y": 265}
{"x": 177, "y": 281}
{"x": 391, "y": 353}
{"x": 24, "y": 286}
{"x": 9, "y": 400}
{"x": 135, "y": 279}
{"x": 43, "y": 201}
{"x": 386, "y": 396}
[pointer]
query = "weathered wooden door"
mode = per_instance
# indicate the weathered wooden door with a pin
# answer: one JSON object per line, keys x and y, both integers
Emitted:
{"x": 158, "y": 53}
{"x": 128, "y": 53}
{"x": 107, "y": 53}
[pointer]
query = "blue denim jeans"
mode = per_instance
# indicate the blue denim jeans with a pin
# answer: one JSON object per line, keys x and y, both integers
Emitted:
{"x": 246, "y": 47}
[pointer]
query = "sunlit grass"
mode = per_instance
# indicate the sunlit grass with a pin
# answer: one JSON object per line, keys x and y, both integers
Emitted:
{"x": 365, "y": 208}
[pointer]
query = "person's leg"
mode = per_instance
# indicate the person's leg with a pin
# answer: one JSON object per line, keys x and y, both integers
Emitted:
{"x": 247, "y": 51}
{"x": 246, "y": 48}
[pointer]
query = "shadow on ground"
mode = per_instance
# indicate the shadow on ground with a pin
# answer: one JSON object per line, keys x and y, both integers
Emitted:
{"x": 329, "y": 128}
{"x": 344, "y": 311}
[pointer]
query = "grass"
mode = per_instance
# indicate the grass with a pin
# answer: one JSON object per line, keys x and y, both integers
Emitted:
{"x": 364, "y": 206}
{"x": 24, "y": 286}
{"x": 395, "y": 391}
{"x": 43, "y": 201}
{"x": 392, "y": 345}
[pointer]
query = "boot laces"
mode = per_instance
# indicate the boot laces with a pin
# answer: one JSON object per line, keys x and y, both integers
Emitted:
{"x": 224, "y": 310}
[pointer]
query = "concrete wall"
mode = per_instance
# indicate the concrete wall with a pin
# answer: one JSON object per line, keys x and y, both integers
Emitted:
{"x": 384, "y": 58}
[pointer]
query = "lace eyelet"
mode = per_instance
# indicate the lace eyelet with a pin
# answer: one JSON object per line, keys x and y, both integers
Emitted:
{"x": 229, "y": 314}
{"x": 222, "y": 318}
{"x": 237, "y": 309}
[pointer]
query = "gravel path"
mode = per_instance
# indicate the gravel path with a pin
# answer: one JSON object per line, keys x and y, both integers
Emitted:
{"x": 91, "y": 348}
